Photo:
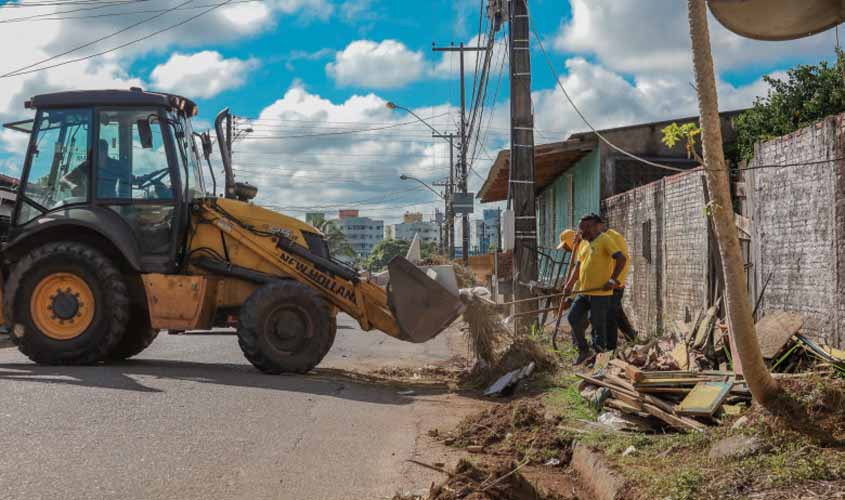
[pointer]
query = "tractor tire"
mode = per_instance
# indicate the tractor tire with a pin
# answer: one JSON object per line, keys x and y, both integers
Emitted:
{"x": 139, "y": 335}
{"x": 68, "y": 304}
{"x": 285, "y": 327}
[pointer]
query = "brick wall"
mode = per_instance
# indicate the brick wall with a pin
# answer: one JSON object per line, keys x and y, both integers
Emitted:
{"x": 666, "y": 230}
{"x": 798, "y": 226}
{"x": 685, "y": 245}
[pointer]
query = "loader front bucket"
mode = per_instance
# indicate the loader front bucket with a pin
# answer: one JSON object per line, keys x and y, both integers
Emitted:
{"x": 422, "y": 306}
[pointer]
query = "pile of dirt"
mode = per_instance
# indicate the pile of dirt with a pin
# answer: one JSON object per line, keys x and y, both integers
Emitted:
{"x": 488, "y": 481}
{"x": 820, "y": 400}
{"x": 427, "y": 373}
{"x": 519, "y": 429}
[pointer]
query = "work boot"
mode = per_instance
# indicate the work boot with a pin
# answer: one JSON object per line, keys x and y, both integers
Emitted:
{"x": 583, "y": 356}
{"x": 630, "y": 336}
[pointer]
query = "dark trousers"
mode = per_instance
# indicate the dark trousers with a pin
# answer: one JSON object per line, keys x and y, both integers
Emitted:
{"x": 598, "y": 309}
{"x": 619, "y": 320}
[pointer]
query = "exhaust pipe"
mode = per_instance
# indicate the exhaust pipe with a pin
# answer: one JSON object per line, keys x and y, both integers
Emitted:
{"x": 224, "y": 141}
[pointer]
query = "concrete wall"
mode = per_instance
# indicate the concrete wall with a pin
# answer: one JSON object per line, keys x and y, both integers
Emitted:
{"x": 666, "y": 229}
{"x": 798, "y": 226}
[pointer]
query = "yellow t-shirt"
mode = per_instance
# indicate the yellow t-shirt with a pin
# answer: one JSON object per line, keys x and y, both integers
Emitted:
{"x": 623, "y": 246}
{"x": 597, "y": 264}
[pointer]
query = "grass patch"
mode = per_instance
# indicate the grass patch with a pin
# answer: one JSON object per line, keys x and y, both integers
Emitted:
{"x": 564, "y": 399}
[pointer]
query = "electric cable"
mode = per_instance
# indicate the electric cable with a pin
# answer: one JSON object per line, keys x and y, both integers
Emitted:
{"x": 578, "y": 111}
{"x": 93, "y": 42}
{"x": 121, "y": 46}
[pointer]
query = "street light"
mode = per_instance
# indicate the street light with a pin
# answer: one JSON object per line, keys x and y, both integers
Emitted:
{"x": 393, "y": 106}
{"x": 408, "y": 177}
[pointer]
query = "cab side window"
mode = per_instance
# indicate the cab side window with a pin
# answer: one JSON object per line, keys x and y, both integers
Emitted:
{"x": 131, "y": 157}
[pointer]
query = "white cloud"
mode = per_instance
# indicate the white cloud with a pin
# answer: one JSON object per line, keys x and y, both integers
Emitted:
{"x": 330, "y": 167}
{"x": 634, "y": 36}
{"x": 376, "y": 65}
{"x": 201, "y": 75}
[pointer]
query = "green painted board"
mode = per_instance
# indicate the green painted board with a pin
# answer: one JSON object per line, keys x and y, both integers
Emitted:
{"x": 704, "y": 399}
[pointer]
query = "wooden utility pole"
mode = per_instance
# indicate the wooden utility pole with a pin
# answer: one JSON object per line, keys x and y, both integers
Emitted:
{"x": 763, "y": 387}
{"x": 521, "y": 181}
{"x": 462, "y": 160}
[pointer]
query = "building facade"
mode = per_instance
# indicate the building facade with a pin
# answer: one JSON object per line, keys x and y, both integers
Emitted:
{"x": 362, "y": 233}
{"x": 572, "y": 177}
{"x": 429, "y": 231}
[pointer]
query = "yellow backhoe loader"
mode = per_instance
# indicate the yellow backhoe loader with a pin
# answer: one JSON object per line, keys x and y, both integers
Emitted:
{"x": 114, "y": 237}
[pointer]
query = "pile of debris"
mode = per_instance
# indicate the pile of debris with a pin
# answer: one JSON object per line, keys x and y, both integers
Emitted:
{"x": 499, "y": 354}
{"x": 497, "y": 481}
{"x": 653, "y": 400}
{"x": 691, "y": 377}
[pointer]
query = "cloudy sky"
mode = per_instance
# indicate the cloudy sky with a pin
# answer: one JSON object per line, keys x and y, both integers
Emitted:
{"x": 304, "y": 74}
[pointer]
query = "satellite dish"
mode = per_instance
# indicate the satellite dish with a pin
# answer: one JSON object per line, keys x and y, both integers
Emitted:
{"x": 778, "y": 19}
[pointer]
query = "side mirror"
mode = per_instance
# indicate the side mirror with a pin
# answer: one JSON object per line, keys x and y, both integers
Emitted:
{"x": 145, "y": 133}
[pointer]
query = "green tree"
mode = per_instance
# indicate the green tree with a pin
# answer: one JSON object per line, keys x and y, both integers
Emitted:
{"x": 384, "y": 251}
{"x": 338, "y": 244}
{"x": 806, "y": 94}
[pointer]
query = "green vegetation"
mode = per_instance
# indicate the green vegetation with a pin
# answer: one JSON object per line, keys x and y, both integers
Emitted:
{"x": 338, "y": 245}
{"x": 806, "y": 93}
{"x": 385, "y": 250}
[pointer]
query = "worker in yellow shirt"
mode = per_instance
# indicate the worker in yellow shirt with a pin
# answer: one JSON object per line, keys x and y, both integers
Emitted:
{"x": 600, "y": 262}
{"x": 618, "y": 320}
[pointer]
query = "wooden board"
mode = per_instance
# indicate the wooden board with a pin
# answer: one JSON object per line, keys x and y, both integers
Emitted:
{"x": 705, "y": 327}
{"x": 681, "y": 355}
{"x": 775, "y": 330}
{"x": 704, "y": 399}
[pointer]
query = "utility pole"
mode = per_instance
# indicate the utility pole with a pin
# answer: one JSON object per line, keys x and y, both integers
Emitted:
{"x": 450, "y": 189}
{"x": 521, "y": 187}
{"x": 462, "y": 162}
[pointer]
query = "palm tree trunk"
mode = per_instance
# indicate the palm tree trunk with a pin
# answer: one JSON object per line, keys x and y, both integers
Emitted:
{"x": 763, "y": 387}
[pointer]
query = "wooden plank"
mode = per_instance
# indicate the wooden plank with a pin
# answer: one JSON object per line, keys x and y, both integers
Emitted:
{"x": 705, "y": 399}
{"x": 705, "y": 327}
{"x": 633, "y": 373}
{"x": 618, "y": 381}
{"x": 602, "y": 383}
{"x": 775, "y": 330}
{"x": 626, "y": 408}
{"x": 681, "y": 355}
{"x": 674, "y": 420}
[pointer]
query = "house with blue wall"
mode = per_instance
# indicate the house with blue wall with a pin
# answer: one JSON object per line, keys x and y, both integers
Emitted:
{"x": 572, "y": 177}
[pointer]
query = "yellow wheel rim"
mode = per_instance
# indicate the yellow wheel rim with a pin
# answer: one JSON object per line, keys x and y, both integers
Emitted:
{"x": 62, "y": 306}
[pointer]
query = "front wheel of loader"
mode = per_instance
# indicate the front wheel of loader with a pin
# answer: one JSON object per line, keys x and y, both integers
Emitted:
{"x": 68, "y": 303}
{"x": 139, "y": 335}
{"x": 285, "y": 327}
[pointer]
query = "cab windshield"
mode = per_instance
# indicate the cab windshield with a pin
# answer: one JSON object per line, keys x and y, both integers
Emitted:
{"x": 189, "y": 159}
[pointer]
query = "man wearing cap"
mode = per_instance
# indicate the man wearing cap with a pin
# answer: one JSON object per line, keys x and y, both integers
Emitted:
{"x": 600, "y": 261}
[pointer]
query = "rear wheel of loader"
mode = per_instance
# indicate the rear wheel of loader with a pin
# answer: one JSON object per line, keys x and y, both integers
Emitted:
{"x": 68, "y": 304}
{"x": 285, "y": 327}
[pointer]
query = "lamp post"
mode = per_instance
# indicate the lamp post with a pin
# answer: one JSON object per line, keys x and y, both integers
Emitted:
{"x": 450, "y": 187}
{"x": 409, "y": 178}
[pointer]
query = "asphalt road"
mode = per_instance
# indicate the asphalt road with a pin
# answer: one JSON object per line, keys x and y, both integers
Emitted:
{"x": 191, "y": 419}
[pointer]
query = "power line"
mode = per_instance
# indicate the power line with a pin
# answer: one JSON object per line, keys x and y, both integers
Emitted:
{"x": 103, "y": 3}
{"x": 93, "y": 42}
{"x": 46, "y": 17}
{"x": 345, "y": 132}
{"x": 575, "y": 107}
{"x": 124, "y": 45}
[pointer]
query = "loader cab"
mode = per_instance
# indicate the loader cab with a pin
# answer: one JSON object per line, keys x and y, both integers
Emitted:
{"x": 123, "y": 163}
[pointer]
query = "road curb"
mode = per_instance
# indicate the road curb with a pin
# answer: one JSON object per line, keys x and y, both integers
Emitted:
{"x": 596, "y": 474}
